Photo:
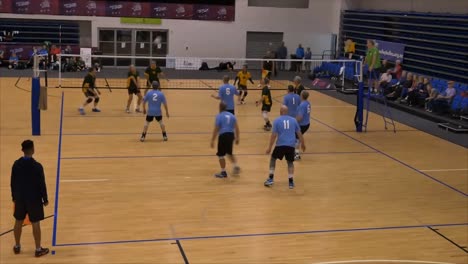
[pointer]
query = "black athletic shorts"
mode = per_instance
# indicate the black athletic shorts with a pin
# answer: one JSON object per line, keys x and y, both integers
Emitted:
{"x": 284, "y": 151}
{"x": 303, "y": 130}
{"x": 35, "y": 211}
{"x": 133, "y": 90}
{"x": 150, "y": 118}
{"x": 88, "y": 93}
{"x": 225, "y": 143}
{"x": 266, "y": 108}
{"x": 243, "y": 87}
{"x": 231, "y": 111}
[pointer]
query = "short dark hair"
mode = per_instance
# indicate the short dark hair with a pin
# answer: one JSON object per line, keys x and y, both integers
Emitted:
{"x": 290, "y": 88}
{"x": 155, "y": 85}
{"x": 305, "y": 94}
{"x": 222, "y": 107}
{"x": 27, "y": 145}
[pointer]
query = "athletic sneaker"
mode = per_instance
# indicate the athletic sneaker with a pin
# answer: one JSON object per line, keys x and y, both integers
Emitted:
{"x": 17, "y": 249}
{"x": 269, "y": 182}
{"x": 222, "y": 174}
{"x": 96, "y": 110}
{"x": 127, "y": 111}
{"x": 138, "y": 110}
{"x": 236, "y": 170}
{"x": 41, "y": 252}
{"x": 291, "y": 185}
{"x": 81, "y": 110}
{"x": 142, "y": 139}
{"x": 165, "y": 138}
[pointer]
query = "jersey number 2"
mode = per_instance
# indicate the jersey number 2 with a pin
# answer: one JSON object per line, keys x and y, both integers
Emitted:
{"x": 155, "y": 97}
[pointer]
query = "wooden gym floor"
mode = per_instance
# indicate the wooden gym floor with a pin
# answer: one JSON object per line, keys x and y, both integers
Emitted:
{"x": 370, "y": 197}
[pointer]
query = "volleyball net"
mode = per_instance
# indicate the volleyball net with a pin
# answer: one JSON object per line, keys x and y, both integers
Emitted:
{"x": 203, "y": 73}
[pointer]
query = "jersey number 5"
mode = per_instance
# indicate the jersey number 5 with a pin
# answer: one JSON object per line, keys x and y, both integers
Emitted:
{"x": 228, "y": 91}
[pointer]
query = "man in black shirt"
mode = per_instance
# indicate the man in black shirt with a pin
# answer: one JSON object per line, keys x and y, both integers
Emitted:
{"x": 29, "y": 193}
{"x": 298, "y": 87}
{"x": 152, "y": 74}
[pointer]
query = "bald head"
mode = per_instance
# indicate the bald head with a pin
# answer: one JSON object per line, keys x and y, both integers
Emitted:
{"x": 283, "y": 110}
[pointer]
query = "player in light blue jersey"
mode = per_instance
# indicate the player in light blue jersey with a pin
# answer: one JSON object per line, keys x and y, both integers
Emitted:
{"x": 285, "y": 130}
{"x": 303, "y": 117}
{"x": 155, "y": 98}
{"x": 291, "y": 100}
{"x": 227, "y": 130}
{"x": 226, "y": 94}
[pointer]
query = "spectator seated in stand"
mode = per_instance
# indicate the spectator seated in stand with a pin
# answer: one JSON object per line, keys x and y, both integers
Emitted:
{"x": 419, "y": 94}
{"x": 349, "y": 48}
{"x": 54, "y": 63}
{"x": 385, "y": 67}
{"x": 440, "y": 103}
{"x": 384, "y": 81}
{"x": 13, "y": 61}
{"x": 402, "y": 88}
{"x": 397, "y": 70}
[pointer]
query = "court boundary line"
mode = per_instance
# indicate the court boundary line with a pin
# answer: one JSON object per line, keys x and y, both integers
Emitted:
{"x": 393, "y": 158}
{"x": 207, "y": 155}
{"x": 257, "y": 234}
{"x": 57, "y": 180}
{"x": 448, "y": 239}
{"x": 182, "y": 252}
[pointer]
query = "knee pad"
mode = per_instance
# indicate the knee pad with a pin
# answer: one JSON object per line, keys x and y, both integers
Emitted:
{"x": 89, "y": 100}
{"x": 220, "y": 157}
{"x": 290, "y": 164}
{"x": 96, "y": 100}
{"x": 265, "y": 114}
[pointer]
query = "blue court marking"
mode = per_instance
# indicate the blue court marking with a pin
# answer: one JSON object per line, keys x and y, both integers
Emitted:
{"x": 258, "y": 234}
{"x": 208, "y": 155}
{"x": 394, "y": 159}
{"x": 57, "y": 180}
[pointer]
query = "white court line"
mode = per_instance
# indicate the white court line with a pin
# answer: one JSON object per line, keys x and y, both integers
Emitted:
{"x": 383, "y": 261}
{"x": 92, "y": 180}
{"x": 445, "y": 170}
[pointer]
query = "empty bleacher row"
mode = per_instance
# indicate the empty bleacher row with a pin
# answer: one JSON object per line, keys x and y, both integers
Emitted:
{"x": 435, "y": 44}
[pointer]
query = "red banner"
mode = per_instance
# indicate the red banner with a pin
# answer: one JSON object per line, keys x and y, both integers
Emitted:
{"x": 119, "y": 9}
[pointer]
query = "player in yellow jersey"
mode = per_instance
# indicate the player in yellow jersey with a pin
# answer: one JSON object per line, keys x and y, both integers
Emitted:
{"x": 266, "y": 102}
{"x": 242, "y": 77}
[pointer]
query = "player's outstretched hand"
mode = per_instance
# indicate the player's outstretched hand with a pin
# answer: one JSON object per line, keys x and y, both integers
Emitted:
{"x": 167, "y": 115}
{"x": 237, "y": 141}
{"x": 212, "y": 144}
{"x": 303, "y": 147}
